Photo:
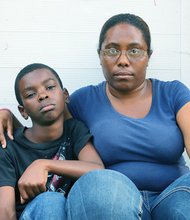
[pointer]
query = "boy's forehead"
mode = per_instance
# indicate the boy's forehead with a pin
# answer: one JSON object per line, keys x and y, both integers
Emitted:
{"x": 40, "y": 73}
{"x": 36, "y": 77}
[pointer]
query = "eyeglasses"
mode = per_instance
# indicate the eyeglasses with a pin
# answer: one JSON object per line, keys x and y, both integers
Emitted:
{"x": 133, "y": 54}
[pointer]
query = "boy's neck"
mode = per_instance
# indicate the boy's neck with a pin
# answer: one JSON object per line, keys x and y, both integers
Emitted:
{"x": 42, "y": 134}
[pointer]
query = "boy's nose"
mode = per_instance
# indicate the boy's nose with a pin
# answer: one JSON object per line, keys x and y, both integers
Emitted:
{"x": 42, "y": 97}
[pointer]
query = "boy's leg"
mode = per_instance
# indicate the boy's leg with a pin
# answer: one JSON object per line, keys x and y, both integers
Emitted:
{"x": 174, "y": 202}
{"x": 104, "y": 194}
{"x": 47, "y": 205}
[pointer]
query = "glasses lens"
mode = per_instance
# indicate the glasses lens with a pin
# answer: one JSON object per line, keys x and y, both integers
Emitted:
{"x": 132, "y": 54}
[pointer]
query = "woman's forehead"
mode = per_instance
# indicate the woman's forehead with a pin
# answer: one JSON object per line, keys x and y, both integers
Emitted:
{"x": 123, "y": 32}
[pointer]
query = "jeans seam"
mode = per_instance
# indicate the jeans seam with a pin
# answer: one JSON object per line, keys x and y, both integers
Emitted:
{"x": 113, "y": 203}
{"x": 146, "y": 200}
{"x": 180, "y": 188}
{"x": 140, "y": 208}
{"x": 82, "y": 200}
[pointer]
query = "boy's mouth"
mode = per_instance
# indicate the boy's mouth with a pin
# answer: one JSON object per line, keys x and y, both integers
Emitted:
{"x": 47, "y": 107}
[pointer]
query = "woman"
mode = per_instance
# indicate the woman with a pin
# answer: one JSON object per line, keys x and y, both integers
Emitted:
{"x": 140, "y": 127}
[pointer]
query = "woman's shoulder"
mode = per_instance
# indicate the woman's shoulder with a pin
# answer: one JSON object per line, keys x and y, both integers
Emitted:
{"x": 173, "y": 93}
{"x": 89, "y": 88}
{"x": 168, "y": 84}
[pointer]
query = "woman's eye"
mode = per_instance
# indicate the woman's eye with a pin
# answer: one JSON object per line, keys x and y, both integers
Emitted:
{"x": 134, "y": 50}
{"x": 113, "y": 51}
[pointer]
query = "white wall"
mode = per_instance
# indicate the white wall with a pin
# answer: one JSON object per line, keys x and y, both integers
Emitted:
{"x": 64, "y": 35}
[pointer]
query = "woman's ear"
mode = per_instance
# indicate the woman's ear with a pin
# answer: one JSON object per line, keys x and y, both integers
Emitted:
{"x": 98, "y": 51}
{"x": 22, "y": 112}
{"x": 66, "y": 94}
{"x": 150, "y": 53}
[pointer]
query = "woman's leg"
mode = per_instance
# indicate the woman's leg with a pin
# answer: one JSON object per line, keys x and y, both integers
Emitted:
{"x": 47, "y": 205}
{"x": 104, "y": 194}
{"x": 174, "y": 202}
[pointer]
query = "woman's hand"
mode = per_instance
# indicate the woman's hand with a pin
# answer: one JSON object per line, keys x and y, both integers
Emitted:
{"x": 33, "y": 180}
{"x": 6, "y": 124}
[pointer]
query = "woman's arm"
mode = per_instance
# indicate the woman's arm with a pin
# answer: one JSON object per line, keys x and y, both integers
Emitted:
{"x": 33, "y": 181}
{"x": 183, "y": 120}
{"x": 7, "y": 122}
{"x": 7, "y": 203}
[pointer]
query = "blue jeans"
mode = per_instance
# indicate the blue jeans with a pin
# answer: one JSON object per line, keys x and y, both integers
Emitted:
{"x": 45, "y": 206}
{"x": 171, "y": 204}
{"x": 97, "y": 195}
{"x": 104, "y": 195}
{"x": 109, "y": 195}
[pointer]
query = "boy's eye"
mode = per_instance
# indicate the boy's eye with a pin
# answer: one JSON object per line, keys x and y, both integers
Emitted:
{"x": 50, "y": 87}
{"x": 30, "y": 95}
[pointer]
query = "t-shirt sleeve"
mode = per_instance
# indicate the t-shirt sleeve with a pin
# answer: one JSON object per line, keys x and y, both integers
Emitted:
{"x": 181, "y": 95}
{"x": 7, "y": 170}
{"x": 80, "y": 136}
{"x": 76, "y": 103}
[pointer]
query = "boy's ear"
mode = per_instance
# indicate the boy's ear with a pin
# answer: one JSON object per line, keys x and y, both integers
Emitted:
{"x": 66, "y": 94}
{"x": 22, "y": 112}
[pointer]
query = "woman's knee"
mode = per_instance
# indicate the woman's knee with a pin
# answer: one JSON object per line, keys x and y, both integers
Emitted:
{"x": 105, "y": 177}
{"x": 174, "y": 206}
{"x": 104, "y": 194}
{"x": 106, "y": 182}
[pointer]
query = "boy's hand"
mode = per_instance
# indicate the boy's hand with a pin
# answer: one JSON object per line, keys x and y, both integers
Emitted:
{"x": 6, "y": 124}
{"x": 33, "y": 181}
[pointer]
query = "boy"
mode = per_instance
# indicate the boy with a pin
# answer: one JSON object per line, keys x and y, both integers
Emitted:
{"x": 26, "y": 165}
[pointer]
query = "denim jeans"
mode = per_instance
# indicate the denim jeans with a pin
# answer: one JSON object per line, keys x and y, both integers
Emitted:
{"x": 97, "y": 195}
{"x": 109, "y": 195}
{"x": 171, "y": 204}
{"x": 104, "y": 195}
{"x": 45, "y": 206}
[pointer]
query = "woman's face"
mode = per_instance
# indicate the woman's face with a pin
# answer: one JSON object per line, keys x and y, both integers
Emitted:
{"x": 125, "y": 71}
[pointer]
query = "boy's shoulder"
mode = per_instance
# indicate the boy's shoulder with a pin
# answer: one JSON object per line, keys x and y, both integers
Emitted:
{"x": 17, "y": 134}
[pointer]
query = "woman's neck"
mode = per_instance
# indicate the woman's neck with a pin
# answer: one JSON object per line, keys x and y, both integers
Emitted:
{"x": 128, "y": 94}
{"x": 134, "y": 104}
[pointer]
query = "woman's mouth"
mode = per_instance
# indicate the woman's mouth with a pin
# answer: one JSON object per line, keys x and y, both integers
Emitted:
{"x": 123, "y": 75}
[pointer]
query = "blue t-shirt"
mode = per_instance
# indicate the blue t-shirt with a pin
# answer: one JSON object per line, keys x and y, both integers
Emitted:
{"x": 147, "y": 150}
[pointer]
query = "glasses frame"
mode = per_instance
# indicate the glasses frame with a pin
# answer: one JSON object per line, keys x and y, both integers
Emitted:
{"x": 128, "y": 53}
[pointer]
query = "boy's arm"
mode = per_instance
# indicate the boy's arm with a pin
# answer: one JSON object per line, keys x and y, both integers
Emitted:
{"x": 88, "y": 159}
{"x": 7, "y": 203}
{"x": 33, "y": 181}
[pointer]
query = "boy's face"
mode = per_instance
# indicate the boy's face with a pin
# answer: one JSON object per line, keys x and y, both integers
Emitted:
{"x": 43, "y": 98}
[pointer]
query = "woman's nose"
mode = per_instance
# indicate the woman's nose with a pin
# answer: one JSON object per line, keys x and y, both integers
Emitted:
{"x": 123, "y": 60}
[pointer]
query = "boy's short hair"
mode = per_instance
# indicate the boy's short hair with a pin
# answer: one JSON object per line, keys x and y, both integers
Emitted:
{"x": 27, "y": 69}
